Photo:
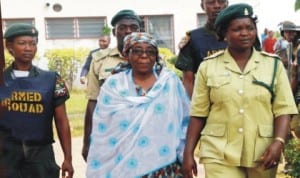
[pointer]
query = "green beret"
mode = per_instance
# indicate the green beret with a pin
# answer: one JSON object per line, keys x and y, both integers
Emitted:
{"x": 125, "y": 14}
{"x": 233, "y": 12}
{"x": 20, "y": 29}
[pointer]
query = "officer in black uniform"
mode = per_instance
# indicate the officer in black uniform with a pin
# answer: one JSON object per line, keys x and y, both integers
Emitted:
{"x": 200, "y": 43}
{"x": 31, "y": 97}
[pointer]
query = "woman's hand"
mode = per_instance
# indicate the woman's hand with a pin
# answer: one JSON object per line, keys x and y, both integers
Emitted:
{"x": 67, "y": 169}
{"x": 272, "y": 154}
{"x": 189, "y": 166}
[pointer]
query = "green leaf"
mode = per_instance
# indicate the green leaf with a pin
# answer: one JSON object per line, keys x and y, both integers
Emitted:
{"x": 297, "y": 5}
{"x": 106, "y": 30}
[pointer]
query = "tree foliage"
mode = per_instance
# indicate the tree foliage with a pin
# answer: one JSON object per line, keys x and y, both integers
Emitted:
{"x": 106, "y": 30}
{"x": 292, "y": 156}
{"x": 66, "y": 62}
{"x": 297, "y": 5}
{"x": 8, "y": 58}
{"x": 169, "y": 59}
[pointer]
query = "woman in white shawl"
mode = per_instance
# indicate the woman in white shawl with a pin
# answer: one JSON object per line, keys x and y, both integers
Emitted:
{"x": 140, "y": 121}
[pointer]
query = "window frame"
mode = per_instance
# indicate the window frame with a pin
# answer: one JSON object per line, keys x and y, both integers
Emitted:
{"x": 76, "y": 27}
{"x": 170, "y": 17}
{"x": 7, "y": 21}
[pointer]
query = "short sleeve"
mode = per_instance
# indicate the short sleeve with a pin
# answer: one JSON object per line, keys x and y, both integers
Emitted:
{"x": 284, "y": 102}
{"x": 184, "y": 59}
{"x": 61, "y": 93}
{"x": 93, "y": 84}
{"x": 200, "y": 100}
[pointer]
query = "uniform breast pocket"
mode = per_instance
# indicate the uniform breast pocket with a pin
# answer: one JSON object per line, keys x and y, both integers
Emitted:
{"x": 219, "y": 88}
{"x": 262, "y": 87}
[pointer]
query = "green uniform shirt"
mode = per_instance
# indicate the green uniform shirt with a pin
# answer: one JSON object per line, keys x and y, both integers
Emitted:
{"x": 102, "y": 65}
{"x": 240, "y": 115}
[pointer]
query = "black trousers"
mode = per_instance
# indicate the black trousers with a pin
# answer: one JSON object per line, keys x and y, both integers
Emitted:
{"x": 22, "y": 160}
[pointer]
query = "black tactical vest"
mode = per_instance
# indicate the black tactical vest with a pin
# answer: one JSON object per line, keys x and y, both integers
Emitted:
{"x": 30, "y": 106}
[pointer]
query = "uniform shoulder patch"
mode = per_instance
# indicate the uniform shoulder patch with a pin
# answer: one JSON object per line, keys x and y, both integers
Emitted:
{"x": 184, "y": 40}
{"x": 219, "y": 53}
{"x": 270, "y": 54}
{"x": 101, "y": 54}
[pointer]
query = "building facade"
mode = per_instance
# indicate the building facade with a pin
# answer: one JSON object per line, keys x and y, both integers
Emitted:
{"x": 78, "y": 23}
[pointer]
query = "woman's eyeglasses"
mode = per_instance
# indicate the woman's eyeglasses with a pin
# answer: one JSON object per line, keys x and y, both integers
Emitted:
{"x": 140, "y": 52}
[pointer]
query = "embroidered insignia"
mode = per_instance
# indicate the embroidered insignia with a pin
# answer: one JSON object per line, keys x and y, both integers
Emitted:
{"x": 60, "y": 88}
{"x": 215, "y": 54}
{"x": 246, "y": 11}
{"x": 183, "y": 41}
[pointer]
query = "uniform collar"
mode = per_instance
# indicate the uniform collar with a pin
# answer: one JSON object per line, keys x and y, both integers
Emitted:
{"x": 115, "y": 52}
{"x": 210, "y": 29}
{"x": 232, "y": 65}
{"x": 33, "y": 71}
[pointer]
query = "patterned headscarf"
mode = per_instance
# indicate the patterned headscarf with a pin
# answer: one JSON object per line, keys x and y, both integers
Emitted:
{"x": 138, "y": 37}
{"x": 132, "y": 39}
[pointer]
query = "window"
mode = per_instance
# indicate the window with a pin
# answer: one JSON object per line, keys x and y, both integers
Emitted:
{"x": 74, "y": 28}
{"x": 161, "y": 27}
{"x": 9, "y": 22}
{"x": 201, "y": 19}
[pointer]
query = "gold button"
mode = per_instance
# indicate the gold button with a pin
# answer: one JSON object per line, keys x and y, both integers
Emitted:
{"x": 242, "y": 111}
{"x": 241, "y": 130}
{"x": 241, "y": 92}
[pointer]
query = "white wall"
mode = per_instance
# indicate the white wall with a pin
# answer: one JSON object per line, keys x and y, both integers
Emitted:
{"x": 184, "y": 12}
{"x": 269, "y": 12}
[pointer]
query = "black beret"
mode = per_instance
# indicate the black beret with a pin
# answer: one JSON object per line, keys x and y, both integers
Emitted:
{"x": 233, "y": 12}
{"x": 20, "y": 29}
{"x": 123, "y": 14}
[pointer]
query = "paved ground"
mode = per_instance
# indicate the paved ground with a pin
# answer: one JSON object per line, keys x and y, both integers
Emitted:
{"x": 80, "y": 165}
{"x": 78, "y": 162}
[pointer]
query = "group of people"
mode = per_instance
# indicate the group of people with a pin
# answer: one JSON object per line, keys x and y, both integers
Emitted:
{"x": 141, "y": 120}
{"x": 289, "y": 35}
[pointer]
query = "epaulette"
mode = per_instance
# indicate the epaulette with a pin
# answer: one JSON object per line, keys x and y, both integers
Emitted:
{"x": 101, "y": 54}
{"x": 270, "y": 54}
{"x": 184, "y": 40}
{"x": 219, "y": 53}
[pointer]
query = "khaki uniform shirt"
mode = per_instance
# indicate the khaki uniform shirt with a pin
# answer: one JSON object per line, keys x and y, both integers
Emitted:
{"x": 240, "y": 115}
{"x": 102, "y": 65}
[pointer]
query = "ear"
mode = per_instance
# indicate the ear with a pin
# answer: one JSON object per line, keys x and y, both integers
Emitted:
{"x": 114, "y": 31}
{"x": 8, "y": 46}
{"x": 125, "y": 55}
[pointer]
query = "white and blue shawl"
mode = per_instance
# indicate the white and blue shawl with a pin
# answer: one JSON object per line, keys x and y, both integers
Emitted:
{"x": 135, "y": 135}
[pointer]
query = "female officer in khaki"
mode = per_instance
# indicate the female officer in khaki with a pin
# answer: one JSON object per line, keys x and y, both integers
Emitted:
{"x": 32, "y": 97}
{"x": 241, "y": 105}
